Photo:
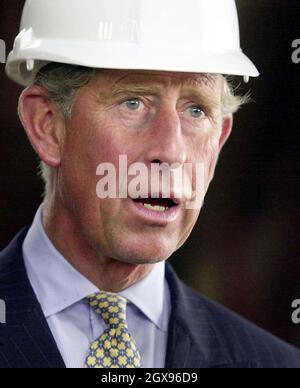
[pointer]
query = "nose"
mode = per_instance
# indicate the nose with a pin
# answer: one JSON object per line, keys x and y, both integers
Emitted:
{"x": 165, "y": 141}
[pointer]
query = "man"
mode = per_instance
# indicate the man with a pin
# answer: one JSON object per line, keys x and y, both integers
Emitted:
{"x": 87, "y": 285}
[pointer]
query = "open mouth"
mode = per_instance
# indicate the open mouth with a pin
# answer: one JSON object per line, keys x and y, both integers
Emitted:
{"x": 156, "y": 204}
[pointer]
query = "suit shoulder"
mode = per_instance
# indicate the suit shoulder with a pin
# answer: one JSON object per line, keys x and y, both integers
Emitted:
{"x": 12, "y": 251}
{"x": 244, "y": 339}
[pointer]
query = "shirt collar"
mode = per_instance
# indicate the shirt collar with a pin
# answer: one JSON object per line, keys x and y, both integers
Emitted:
{"x": 58, "y": 285}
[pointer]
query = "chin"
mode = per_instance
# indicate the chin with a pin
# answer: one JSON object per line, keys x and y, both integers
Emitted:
{"x": 140, "y": 249}
{"x": 143, "y": 256}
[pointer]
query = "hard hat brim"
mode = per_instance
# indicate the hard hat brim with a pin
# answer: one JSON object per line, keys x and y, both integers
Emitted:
{"x": 128, "y": 57}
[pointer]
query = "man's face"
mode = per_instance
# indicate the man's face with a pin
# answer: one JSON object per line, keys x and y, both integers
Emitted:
{"x": 151, "y": 117}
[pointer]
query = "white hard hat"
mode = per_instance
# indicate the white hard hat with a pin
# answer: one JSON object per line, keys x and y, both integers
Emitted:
{"x": 197, "y": 36}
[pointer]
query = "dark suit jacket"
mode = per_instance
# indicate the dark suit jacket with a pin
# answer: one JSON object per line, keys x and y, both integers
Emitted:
{"x": 202, "y": 334}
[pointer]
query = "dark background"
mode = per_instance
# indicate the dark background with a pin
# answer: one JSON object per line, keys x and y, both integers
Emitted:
{"x": 244, "y": 250}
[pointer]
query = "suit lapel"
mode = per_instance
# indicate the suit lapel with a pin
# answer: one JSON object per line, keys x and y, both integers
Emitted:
{"x": 25, "y": 339}
{"x": 179, "y": 347}
{"x": 194, "y": 341}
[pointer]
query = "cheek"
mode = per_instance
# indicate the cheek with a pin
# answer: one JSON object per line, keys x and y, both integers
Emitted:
{"x": 207, "y": 152}
{"x": 85, "y": 149}
{"x": 90, "y": 142}
{"x": 104, "y": 142}
{"x": 211, "y": 152}
{"x": 78, "y": 168}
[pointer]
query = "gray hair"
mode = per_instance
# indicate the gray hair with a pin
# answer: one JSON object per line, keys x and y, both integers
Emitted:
{"x": 62, "y": 82}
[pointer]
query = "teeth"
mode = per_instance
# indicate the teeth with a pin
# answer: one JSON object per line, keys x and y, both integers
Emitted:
{"x": 156, "y": 208}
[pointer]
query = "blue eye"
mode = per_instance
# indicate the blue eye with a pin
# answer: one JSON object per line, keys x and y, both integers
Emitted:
{"x": 196, "y": 112}
{"x": 133, "y": 104}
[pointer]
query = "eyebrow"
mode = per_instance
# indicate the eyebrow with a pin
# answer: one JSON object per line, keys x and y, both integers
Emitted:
{"x": 138, "y": 89}
{"x": 118, "y": 91}
{"x": 199, "y": 89}
{"x": 204, "y": 97}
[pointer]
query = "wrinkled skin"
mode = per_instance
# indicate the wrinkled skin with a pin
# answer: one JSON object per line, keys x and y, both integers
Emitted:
{"x": 152, "y": 117}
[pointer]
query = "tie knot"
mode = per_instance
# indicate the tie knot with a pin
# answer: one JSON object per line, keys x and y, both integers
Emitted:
{"x": 110, "y": 307}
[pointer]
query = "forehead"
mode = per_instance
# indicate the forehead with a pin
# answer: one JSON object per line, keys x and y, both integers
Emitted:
{"x": 158, "y": 78}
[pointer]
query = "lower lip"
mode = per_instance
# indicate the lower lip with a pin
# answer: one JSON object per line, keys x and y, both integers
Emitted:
{"x": 154, "y": 217}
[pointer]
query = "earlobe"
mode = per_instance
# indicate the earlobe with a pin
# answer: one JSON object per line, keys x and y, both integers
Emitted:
{"x": 43, "y": 124}
{"x": 226, "y": 130}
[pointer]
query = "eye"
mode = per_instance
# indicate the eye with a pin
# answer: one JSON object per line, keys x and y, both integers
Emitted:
{"x": 133, "y": 104}
{"x": 196, "y": 112}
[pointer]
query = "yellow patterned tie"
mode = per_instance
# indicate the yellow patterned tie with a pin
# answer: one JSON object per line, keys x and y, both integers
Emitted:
{"x": 116, "y": 348}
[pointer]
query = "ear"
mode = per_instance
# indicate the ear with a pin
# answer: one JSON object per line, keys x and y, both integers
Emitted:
{"x": 43, "y": 123}
{"x": 226, "y": 130}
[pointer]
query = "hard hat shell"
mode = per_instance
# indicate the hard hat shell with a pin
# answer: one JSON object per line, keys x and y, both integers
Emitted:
{"x": 197, "y": 36}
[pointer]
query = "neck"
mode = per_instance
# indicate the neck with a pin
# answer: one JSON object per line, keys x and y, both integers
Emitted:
{"x": 108, "y": 274}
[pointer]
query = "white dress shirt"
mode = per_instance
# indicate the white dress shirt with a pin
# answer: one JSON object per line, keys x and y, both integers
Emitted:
{"x": 61, "y": 291}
